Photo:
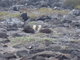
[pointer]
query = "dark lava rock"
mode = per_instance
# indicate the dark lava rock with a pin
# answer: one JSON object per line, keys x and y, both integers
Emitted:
{"x": 9, "y": 56}
{"x": 13, "y": 24}
{"x": 5, "y": 41}
{"x": 28, "y": 29}
{"x": 5, "y": 46}
{"x": 48, "y": 42}
{"x": 15, "y": 8}
{"x": 3, "y": 29}
{"x": 66, "y": 51}
{"x": 62, "y": 57}
{"x": 25, "y": 58}
{"x": 24, "y": 16}
{"x": 75, "y": 53}
{"x": 3, "y": 35}
{"x": 69, "y": 17}
{"x": 75, "y": 12}
{"x": 33, "y": 51}
{"x": 20, "y": 34}
{"x": 46, "y": 54}
{"x": 22, "y": 53}
{"x": 52, "y": 58}
{"x": 75, "y": 24}
{"x": 39, "y": 58}
{"x": 46, "y": 30}
{"x": 18, "y": 46}
{"x": 3, "y": 58}
{"x": 43, "y": 18}
{"x": 67, "y": 21}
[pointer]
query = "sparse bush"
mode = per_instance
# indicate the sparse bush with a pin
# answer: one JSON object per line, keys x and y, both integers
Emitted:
{"x": 45, "y": 30}
{"x": 71, "y": 3}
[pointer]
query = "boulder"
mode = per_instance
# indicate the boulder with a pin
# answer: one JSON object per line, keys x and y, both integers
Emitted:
{"x": 22, "y": 53}
{"x": 24, "y": 16}
{"x": 18, "y": 34}
{"x": 15, "y": 8}
{"x": 43, "y": 18}
{"x": 45, "y": 30}
{"x": 75, "y": 24}
{"x": 69, "y": 17}
{"x": 13, "y": 23}
{"x": 28, "y": 29}
{"x": 3, "y": 58}
{"x": 25, "y": 58}
{"x": 75, "y": 12}
{"x": 62, "y": 57}
{"x": 40, "y": 58}
{"x": 5, "y": 41}
{"x": 52, "y": 58}
{"x": 3, "y": 35}
{"x": 9, "y": 56}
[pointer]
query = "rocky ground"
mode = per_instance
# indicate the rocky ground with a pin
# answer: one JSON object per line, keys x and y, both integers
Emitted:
{"x": 58, "y": 39}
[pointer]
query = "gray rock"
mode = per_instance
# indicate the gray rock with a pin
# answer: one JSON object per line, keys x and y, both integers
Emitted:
{"x": 43, "y": 18}
{"x": 69, "y": 17}
{"x": 5, "y": 41}
{"x": 3, "y": 58}
{"x": 3, "y": 35}
{"x": 75, "y": 12}
{"x": 28, "y": 29}
{"x": 19, "y": 35}
{"x": 24, "y": 16}
{"x": 46, "y": 30}
{"x": 33, "y": 51}
{"x": 22, "y": 53}
{"x": 8, "y": 56}
{"x": 40, "y": 58}
{"x": 25, "y": 58}
{"x": 12, "y": 23}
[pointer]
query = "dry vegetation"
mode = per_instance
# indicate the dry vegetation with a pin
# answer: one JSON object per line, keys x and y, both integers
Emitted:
{"x": 6, "y": 14}
{"x": 45, "y": 11}
{"x": 72, "y": 3}
{"x": 31, "y": 12}
{"x": 23, "y": 40}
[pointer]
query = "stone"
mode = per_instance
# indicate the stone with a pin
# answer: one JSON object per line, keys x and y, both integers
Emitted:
{"x": 22, "y": 53}
{"x": 24, "y": 16}
{"x": 33, "y": 51}
{"x": 13, "y": 24}
{"x": 9, "y": 56}
{"x": 3, "y": 58}
{"x": 3, "y": 35}
{"x": 28, "y": 29}
{"x": 39, "y": 58}
{"x": 5, "y": 41}
{"x": 25, "y": 58}
{"x": 45, "y": 30}
{"x": 75, "y": 12}
{"x": 62, "y": 57}
{"x": 52, "y": 58}
{"x": 43, "y": 18}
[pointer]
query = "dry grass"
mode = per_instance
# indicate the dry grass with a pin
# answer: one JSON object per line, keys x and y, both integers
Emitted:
{"x": 23, "y": 40}
{"x": 78, "y": 6}
{"x": 33, "y": 13}
{"x": 43, "y": 11}
{"x": 6, "y": 14}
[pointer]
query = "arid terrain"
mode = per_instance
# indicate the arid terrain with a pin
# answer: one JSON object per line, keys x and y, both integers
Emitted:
{"x": 39, "y": 30}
